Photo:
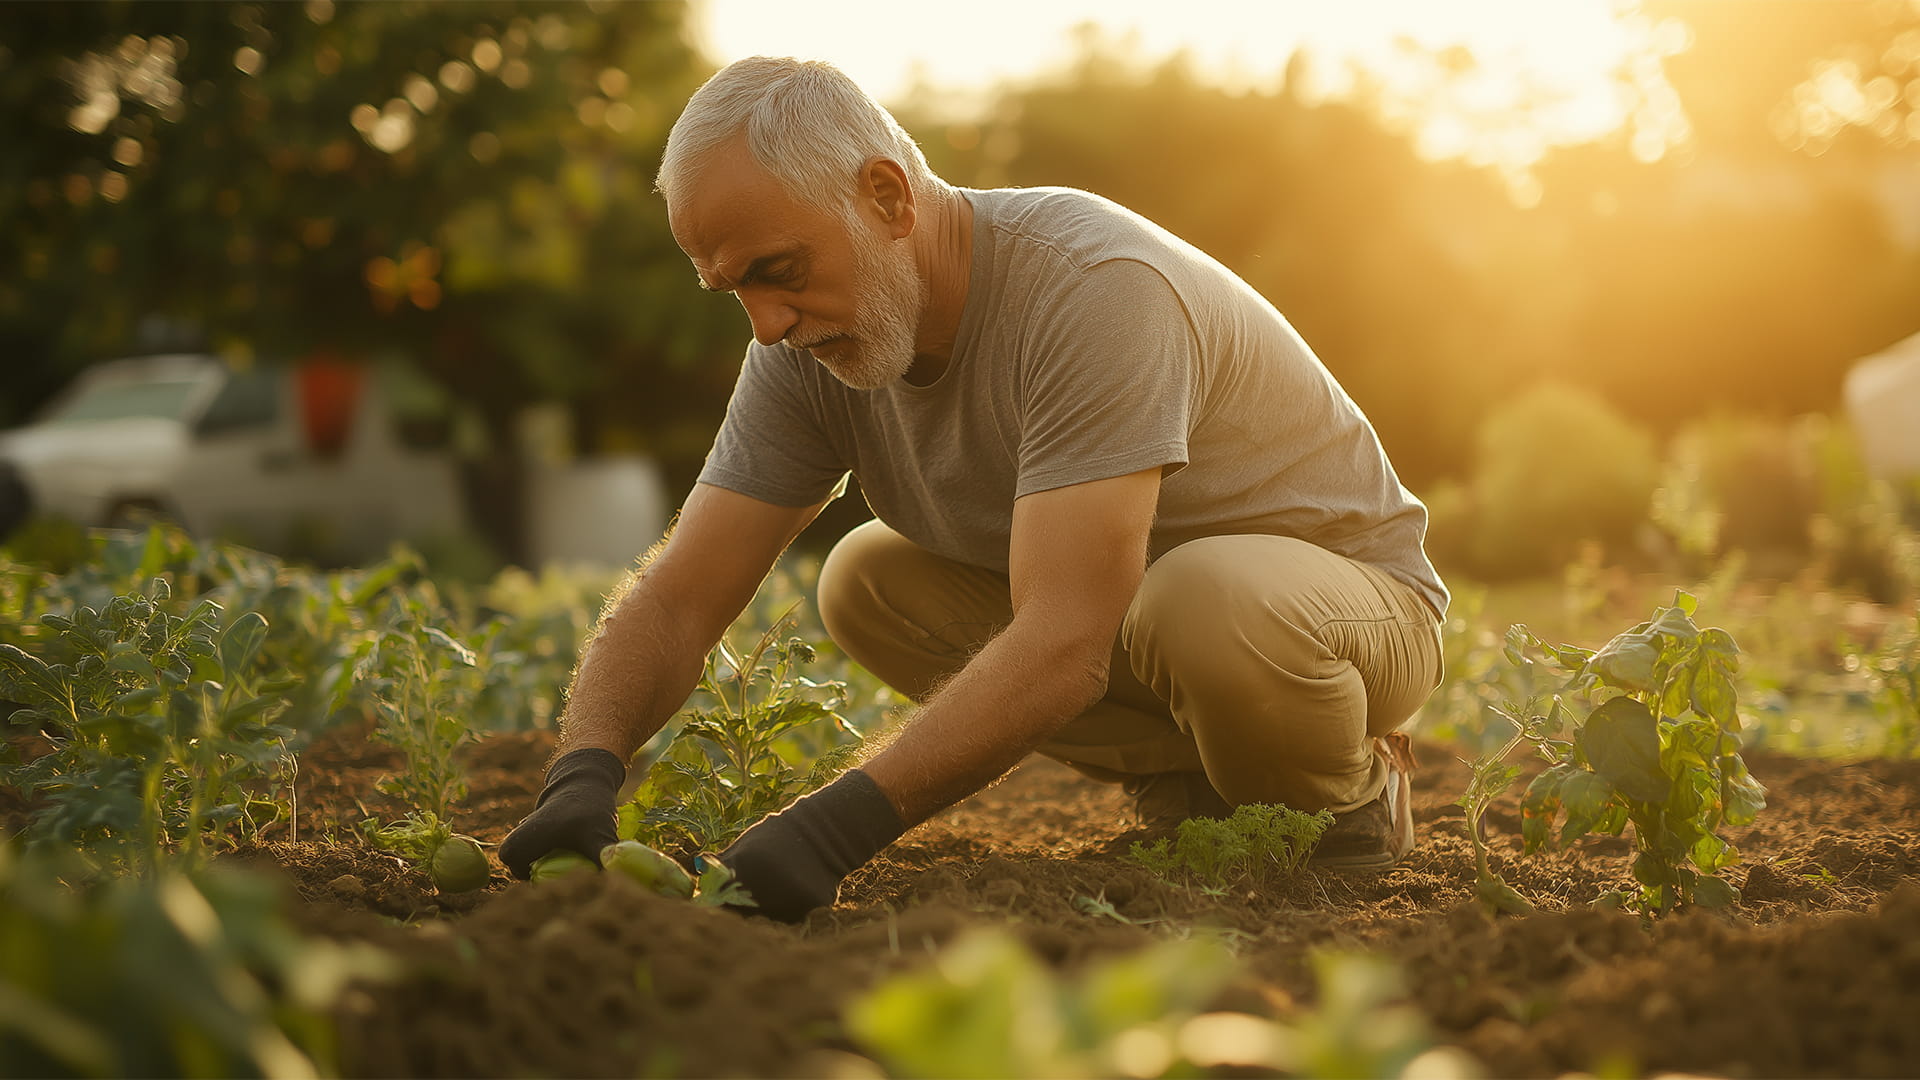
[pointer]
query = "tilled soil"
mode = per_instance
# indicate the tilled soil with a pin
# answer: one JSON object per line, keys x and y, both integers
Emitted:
{"x": 1816, "y": 973}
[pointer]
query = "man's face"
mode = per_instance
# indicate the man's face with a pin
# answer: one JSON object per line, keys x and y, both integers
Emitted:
{"x": 833, "y": 284}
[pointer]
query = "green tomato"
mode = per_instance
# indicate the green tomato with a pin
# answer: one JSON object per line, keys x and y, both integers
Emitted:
{"x": 558, "y": 864}
{"x": 648, "y": 867}
{"x": 458, "y": 865}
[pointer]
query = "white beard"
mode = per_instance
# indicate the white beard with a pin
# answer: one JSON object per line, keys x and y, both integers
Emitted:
{"x": 889, "y": 300}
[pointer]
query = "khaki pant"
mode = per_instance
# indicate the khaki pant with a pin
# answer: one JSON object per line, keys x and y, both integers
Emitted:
{"x": 1264, "y": 660}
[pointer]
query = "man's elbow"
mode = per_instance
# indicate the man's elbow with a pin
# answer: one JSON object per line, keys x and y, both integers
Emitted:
{"x": 1084, "y": 672}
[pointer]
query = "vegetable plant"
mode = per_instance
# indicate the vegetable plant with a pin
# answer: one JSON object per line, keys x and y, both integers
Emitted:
{"x": 421, "y": 682}
{"x": 764, "y": 735}
{"x": 161, "y": 728}
{"x": 1491, "y": 777}
{"x": 1658, "y": 749}
{"x": 455, "y": 862}
{"x": 1258, "y": 845}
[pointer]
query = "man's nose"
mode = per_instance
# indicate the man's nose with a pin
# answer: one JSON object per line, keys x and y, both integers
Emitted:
{"x": 771, "y": 319}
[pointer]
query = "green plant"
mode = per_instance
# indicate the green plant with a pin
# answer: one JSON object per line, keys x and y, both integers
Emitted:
{"x": 1659, "y": 750}
{"x": 1258, "y": 845}
{"x": 454, "y": 862}
{"x": 1490, "y": 778}
{"x": 421, "y": 683}
{"x": 987, "y": 1007}
{"x": 1892, "y": 670}
{"x": 765, "y": 736}
{"x": 161, "y": 727}
{"x": 169, "y": 975}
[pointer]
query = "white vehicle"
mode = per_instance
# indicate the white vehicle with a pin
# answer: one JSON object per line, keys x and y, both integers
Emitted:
{"x": 311, "y": 459}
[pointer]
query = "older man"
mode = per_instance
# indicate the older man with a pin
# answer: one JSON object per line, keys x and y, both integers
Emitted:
{"x": 1123, "y": 516}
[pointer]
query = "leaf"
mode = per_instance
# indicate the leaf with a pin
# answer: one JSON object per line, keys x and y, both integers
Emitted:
{"x": 446, "y": 641}
{"x": 1718, "y": 645}
{"x": 30, "y": 679}
{"x": 1586, "y": 796}
{"x": 1685, "y": 602}
{"x": 1518, "y": 640}
{"x": 241, "y": 642}
{"x": 1710, "y": 853}
{"x": 1713, "y": 697}
{"x": 1622, "y": 741}
{"x": 1628, "y": 661}
{"x": 1541, "y": 804}
{"x": 1674, "y": 623}
{"x": 126, "y": 657}
{"x": 1740, "y": 794}
{"x": 1713, "y": 892}
{"x": 1678, "y": 693}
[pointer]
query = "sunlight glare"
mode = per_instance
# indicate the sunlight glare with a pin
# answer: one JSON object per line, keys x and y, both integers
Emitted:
{"x": 1497, "y": 83}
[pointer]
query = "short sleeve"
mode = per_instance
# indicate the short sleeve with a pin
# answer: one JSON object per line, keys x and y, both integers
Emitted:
{"x": 1108, "y": 388}
{"x": 773, "y": 446}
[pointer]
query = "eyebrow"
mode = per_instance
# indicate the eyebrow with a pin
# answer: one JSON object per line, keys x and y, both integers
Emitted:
{"x": 758, "y": 267}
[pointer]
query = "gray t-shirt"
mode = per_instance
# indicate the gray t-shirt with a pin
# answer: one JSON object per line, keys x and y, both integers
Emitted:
{"x": 1093, "y": 344}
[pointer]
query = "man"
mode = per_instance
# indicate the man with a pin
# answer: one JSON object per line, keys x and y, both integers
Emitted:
{"x": 1124, "y": 517}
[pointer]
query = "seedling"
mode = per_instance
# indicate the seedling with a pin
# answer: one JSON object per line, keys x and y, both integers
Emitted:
{"x": 454, "y": 862}
{"x": 421, "y": 683}
{"x": 1260, "y": 844}
{"x": 1659, "y": 750}
{"x": 1491, "y": 777}
{"x": 747, "y": 752}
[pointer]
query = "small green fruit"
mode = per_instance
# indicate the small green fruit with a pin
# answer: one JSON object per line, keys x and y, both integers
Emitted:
{"x": 458, "y": 865}
{"x": 558, "y": 864}
{"x": 648, "y": 867}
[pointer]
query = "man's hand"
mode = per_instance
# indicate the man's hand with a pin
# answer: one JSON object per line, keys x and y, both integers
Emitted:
{"x": 793, "y": 861}
{"x": 575, "y": 811}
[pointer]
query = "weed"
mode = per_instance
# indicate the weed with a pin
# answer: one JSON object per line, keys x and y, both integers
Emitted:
{"x": 1259, "y": 845}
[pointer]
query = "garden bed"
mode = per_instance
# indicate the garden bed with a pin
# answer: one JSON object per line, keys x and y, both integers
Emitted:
{"x": 1810, "y": 975}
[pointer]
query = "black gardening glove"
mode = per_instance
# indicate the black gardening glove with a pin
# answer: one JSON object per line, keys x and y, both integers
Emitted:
{"x": 792, "y": 861}
{"x": 575, "y": 811}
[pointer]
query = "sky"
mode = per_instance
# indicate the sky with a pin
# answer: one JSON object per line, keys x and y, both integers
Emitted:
{"x": 1545, "y": 72}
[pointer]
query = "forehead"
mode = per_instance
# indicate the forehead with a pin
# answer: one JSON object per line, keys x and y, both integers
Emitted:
{"x": 732, "y": 211}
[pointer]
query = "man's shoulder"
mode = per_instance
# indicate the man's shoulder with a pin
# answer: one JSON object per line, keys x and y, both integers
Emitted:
{"x": 1066, "y": 219}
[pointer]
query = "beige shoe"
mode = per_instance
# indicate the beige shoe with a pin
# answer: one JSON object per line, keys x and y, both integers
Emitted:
{"x": 1379, "y": 834}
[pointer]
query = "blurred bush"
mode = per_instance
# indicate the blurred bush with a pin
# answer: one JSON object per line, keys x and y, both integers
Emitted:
{"x": 1553, "y": 468}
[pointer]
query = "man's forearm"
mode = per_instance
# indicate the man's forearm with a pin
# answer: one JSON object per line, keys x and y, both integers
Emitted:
{"x": 1015, "y": 693}
{"x": 637, "y": 671}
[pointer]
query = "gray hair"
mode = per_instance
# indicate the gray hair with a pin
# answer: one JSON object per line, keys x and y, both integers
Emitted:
{"x": 808, "y": 124}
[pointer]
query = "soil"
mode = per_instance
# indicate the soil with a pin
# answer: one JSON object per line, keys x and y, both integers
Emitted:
{"x": 1815, "y": 973}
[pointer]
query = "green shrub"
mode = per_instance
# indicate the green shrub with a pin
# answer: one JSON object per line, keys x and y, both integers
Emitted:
{"x": 1554, "y": 468}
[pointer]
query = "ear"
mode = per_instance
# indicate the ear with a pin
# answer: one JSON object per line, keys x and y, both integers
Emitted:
{"x": 884, "y": 190}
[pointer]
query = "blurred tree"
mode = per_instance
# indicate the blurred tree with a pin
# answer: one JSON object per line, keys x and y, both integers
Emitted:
{"x": 1717, "y": 270}
{"x": 468, "y": 183}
